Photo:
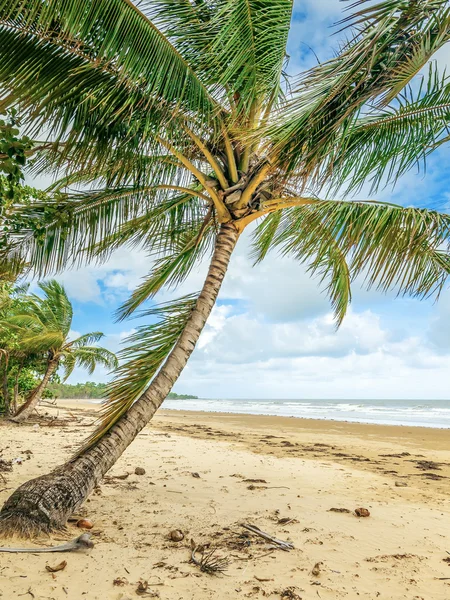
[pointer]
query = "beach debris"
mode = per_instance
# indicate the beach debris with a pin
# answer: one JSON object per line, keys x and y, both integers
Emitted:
{"x": 139, "y": 471}
{"x": 85, "y": 524}
{"x": 80, "y": 543}
{"x": 389, "y": 557}
{"x": 316, "y": 569}
{"x": 290, "y": 593}
{"x": 433, "y": 476}
{"x": 176, "y": 535}
{"x": 447, "y": 560}
{"x": 120, "y": 581}
{"x": 427, "y": 465}
{"x": 27, "y": 592}
{"x": 121, "y": 477}
{"x": 196, "y": 475}
{"x": 339, "y": 510}
{"x": 144, "y": 590}
{"x": 401, "y": 455}
{"x": 62, "y": 565}
{"x": 401, "y": 484}
{"x": 5, "y": 465}
{"x": 286, "y": 520}
{"x": 209, "y": 562}
{"x": 254, "y": 481}
{"x": 286, "y": 546}
{"x": 362, "y": 512}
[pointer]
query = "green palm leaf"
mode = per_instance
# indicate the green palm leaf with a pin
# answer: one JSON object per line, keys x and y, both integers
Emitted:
{"x": 315, "y": 245}
{"x": 391, "y": 247}
{"x": 383, "y": 145}
{"x": 249, "y": 44}
{"x": 110, "y": 41}
{"x": 147, "y": 348}
{"x": 172, "y": 270}
{"x": 387, "y": 51}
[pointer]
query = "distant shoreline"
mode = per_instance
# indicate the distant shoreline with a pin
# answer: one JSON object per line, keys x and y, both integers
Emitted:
{"x": 321, "y": 422}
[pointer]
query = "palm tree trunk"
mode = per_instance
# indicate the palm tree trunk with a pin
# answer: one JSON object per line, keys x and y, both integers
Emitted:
{"x": 44, "y": 504}
{"x": 35, "y": 396}
{"x": 5, "y": 391}
{"x": 16, "y": 390}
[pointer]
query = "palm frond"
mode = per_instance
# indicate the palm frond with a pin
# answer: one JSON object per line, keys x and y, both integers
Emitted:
{"x": 250, "y": 47}
{"x": 55, "y": 234}
{"x": 239, "y": 45}
{"x": 147, "y": 348}
{"x": 315, "y": 246}
{"x": 41, "y": 342}
{"x": 57, "y": 305}
{"x": 88, "y": 357}
{"x": 383, "y": 145}
{"x": 101, "y": 73}
{"x": 390, "y": 247}
{"x": 161, "y": 230}
{"x": 87, "y": 339}
{"x": 376, "y": 63}
{"x": 172, "y": 270}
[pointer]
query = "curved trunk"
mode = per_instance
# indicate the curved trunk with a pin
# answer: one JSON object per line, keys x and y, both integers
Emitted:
{"x": 44, "y": 504}
{"x": 34, "y": 398}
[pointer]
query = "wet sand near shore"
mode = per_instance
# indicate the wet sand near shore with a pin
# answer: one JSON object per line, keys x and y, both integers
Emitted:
{"x": 207, "y": 473}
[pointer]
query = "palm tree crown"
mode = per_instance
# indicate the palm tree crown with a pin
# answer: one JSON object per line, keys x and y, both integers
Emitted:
{"x": 44, "y": 326}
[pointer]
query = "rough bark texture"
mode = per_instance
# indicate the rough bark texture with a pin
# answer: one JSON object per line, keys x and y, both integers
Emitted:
{"x": 34, "y": 398}
{"x": 5, "y": 392}
{"x": 44, "y": 504}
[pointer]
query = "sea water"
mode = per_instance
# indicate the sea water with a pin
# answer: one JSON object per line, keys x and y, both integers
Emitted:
{"x": 419, "y": 413}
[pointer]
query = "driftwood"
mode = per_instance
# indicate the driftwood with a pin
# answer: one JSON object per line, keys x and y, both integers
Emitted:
{"x": 286, "y": 546}
{"x": 80, "y": 543}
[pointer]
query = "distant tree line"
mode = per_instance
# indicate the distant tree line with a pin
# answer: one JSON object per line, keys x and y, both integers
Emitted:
{"x": 87, "y": 390}
{"x": 92, "y": 390}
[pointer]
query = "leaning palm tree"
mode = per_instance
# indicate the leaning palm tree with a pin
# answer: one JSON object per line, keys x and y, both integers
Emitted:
{"x": 179, "y": 119}
{"x": 43, "y": 327}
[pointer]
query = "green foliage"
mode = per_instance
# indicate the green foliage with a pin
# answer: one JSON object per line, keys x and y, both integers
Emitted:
{"x": 12, "y": 156}
{"x": 91, "y": 390}
{"x": 146, "y": 350}
{"x": 34, "y": 334}
{"x": 173, "y": 396}
{"x": 88, "y": 390}
{"x": 389, "y": 246}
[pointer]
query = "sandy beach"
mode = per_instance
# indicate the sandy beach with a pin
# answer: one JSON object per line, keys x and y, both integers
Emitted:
{"x": 206, "y": 474}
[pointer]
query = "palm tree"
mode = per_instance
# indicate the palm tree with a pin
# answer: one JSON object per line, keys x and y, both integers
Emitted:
{"x": 178, "y": 118}
{"x": 43, "y": 328}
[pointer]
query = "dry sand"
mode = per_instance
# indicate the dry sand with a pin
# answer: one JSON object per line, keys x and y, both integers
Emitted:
{"x": 307, "y": 468}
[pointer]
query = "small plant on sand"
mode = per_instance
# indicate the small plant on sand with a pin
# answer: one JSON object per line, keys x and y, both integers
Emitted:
{"x": 179, "y": 120}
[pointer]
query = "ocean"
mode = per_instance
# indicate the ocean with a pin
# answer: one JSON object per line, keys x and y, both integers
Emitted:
{"x": 418, "y": 413}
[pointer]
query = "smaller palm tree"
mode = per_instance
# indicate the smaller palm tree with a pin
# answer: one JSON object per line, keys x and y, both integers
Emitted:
{"x": 43, "y": 327}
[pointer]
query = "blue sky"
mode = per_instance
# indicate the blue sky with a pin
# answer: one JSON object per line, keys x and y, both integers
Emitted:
{"x": 272, "y": 334}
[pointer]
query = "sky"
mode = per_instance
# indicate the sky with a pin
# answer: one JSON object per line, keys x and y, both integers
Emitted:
{"x": 272, "y": 333}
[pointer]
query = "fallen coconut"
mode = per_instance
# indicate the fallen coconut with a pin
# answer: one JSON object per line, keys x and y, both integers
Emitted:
{"x": 176, "y": 535}
{"x": 85, "y": 524}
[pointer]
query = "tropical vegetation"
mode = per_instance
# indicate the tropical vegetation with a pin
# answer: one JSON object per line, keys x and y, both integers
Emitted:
{"x": 175, "y": 127}
{"x": 93, "y": 390}
{"x": 40, "y": 328}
